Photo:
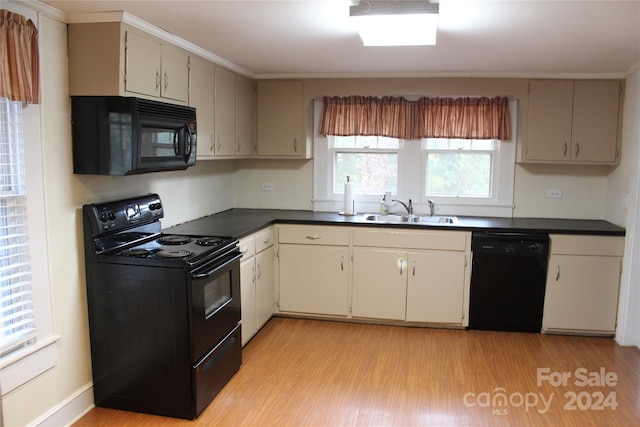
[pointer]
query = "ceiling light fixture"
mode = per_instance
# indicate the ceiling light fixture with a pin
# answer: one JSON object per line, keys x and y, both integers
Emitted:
{"x": 396, "y": 22}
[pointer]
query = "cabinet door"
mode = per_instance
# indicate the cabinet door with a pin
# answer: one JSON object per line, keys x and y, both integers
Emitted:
{"x": 142, "y": 65}
{"x": 265, "y": 281}
{"x": 225, "y": 109}
{"x": 550, "y": 118}
{"x": 314, "y": 279}
{"x": 435, "y": 287}
{"x": 280, "y": 119}
{"x": 379, "y": 283}
{"x": 245, "y": 117}
{"x": 175, "y": 74}
{"x": 595, "y": 121}
{"x": 582, "y": 293}
{"x": 248, "y": 299}
{"x": 201, "y": 95}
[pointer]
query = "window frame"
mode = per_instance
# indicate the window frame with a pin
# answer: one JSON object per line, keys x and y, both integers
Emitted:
{"x": 25, "y": 364}
{"x": 411, "y": 184}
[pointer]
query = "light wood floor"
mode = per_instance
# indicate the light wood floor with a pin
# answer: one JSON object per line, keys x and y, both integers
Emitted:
{"x": 318, "y": 373}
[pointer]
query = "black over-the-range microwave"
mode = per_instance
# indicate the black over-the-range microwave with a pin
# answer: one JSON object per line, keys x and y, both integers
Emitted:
{"x": 115, "y": 135}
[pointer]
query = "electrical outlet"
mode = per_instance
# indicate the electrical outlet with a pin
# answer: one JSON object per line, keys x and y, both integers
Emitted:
{"x": 554, "y": 193}
{"x": 268, "y": 186}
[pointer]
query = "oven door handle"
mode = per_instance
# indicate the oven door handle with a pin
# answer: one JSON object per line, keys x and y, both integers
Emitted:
{"x": 215, "y": 265}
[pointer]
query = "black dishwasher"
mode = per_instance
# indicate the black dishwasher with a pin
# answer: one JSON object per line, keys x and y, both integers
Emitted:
{"x": 508, "y": 275}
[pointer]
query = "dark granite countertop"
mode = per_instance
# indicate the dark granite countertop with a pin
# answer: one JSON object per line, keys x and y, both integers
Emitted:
{"x": 242, "y": 222}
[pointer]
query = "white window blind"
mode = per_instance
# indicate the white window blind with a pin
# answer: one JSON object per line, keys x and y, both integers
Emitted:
{"x": 17, "y": 323}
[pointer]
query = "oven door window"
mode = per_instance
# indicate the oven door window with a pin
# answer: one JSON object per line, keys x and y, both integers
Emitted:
{"x": 217, "y": 294}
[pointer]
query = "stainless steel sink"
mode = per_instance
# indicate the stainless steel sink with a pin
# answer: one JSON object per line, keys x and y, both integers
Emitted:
{"x": 418, "y": 219}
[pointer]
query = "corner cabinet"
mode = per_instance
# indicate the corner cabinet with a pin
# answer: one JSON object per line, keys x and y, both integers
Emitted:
{"x": 582, "y": 284}
{"x": 419, "y": 276}
{"x": 313, "y": 270}
{"x": 280, "y": 120}
{"x": 574, "y": 122}
{"x": 257, "y": 281}
{"x": 113, "y": 58}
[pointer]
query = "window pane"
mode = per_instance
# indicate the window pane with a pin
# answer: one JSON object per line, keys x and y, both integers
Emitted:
{"x": 463, "y": 174}
{"x": 344, "y": 141}
{"x": 371, "y": 173}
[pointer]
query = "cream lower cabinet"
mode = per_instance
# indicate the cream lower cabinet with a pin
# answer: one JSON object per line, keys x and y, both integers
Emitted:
{"x": 313, "y": 270}
{"x": 257, "y": 281}
{"x": 582, "y": 284}
{"x": 416, "y": 276}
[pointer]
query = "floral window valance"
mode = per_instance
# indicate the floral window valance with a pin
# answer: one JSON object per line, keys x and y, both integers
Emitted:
{"x": 397, "y": 117}
{"x": 19, "y": 58}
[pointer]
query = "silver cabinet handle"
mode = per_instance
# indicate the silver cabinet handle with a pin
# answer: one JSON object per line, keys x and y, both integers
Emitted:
{"x": 557, "y": 273}
{"x": 295, "y": 145}
{"x": 254, "y": 273}
{"x": 314, "y": 237}
{"x": 342, "y": 263}
{"x": 266, "y": 242}
{"x": 166, "y": 81}
{"x": 566, "y": 147}
{"x": 157, "y": 80}
{"x": 414, "y": 268}
{"x": 259, "y": 271}
{"x": 577, "y": 148}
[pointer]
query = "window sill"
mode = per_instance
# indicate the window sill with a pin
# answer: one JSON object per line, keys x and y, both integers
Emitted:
{"x": 24, "y": 365}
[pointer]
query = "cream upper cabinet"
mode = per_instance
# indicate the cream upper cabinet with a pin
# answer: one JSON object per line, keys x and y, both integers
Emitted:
{"x": 280, "y": 120}
{"x": 112, "y": 58}
{"x": 582, "y": 284}
{"x": 201, "y": 96}
{"x": 155, "y": 69}
{"x": 313, "y": 270}
{"x": 573, "y": 122}
{"x": 245, "y": 117}
{"x": 225, "y": 117}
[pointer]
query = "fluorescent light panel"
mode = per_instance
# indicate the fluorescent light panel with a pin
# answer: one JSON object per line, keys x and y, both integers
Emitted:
{"x": 396, "y": 23}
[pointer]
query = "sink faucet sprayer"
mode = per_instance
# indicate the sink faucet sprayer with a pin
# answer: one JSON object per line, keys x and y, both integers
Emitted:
{"x": 432, "y": 207}
{"x": 409, "y": 208}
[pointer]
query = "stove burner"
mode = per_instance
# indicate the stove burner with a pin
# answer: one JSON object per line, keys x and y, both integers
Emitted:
{"x": 173, "y": 253}
{"x": 208, "y": 241}
{"x": 174, "y": 240}
{"x": 136, "y": 252}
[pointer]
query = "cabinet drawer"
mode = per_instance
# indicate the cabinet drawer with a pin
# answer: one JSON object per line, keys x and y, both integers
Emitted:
{"x": 440, "y": 240}
{"x": 314, "y": 235}
{"x": 265, "y": 239}
{"x": 247, "y": 246}
{"x": 587, "y": 245}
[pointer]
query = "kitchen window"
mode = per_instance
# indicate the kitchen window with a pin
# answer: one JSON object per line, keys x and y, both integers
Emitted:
{"x": 472, "y": 177}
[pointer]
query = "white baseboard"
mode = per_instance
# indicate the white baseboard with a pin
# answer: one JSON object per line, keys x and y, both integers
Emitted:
{"x": 68, "y": 411}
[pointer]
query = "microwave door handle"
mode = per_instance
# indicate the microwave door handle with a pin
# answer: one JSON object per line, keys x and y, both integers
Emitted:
{"x": 176, "y": 143}
{"x": 188, "y": 149}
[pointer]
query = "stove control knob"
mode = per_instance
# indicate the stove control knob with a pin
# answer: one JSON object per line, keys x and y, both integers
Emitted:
{"x": 112, "y": 216}
{"x": 103, "y": 217}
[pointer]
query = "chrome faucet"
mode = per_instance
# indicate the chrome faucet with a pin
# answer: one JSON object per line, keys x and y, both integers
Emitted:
{"x": 409, "y": 208}
{"x": 432, "y": 207}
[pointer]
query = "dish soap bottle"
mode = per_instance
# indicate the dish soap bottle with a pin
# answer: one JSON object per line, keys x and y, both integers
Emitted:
{"x": 383, "y": 206}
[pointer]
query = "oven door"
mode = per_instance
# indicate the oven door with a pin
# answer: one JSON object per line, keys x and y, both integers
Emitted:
{"x": 215, "y": 302}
